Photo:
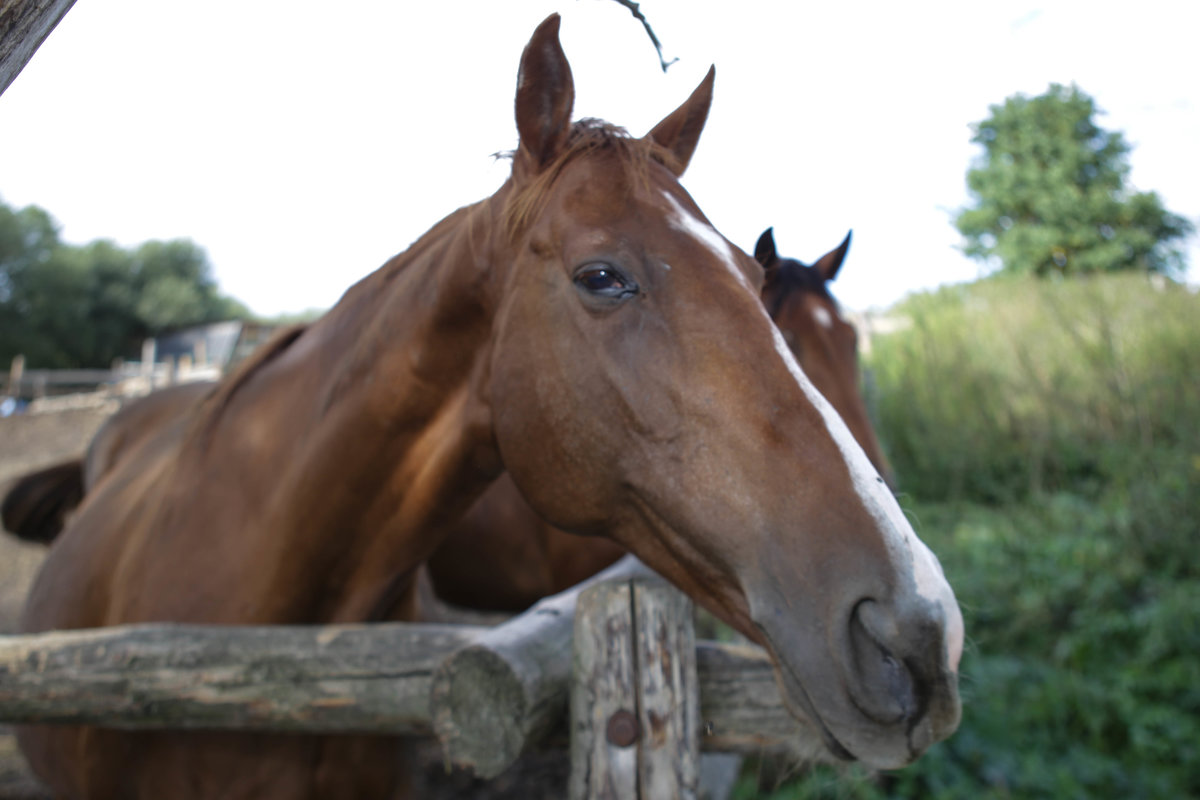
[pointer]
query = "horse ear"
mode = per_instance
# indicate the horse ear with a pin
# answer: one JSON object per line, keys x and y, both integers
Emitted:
{"x": 545, "y": 97}
{"x": 764, "y": 250}
{"x": 680, "y": 131}
{"x": 829, "y": 264}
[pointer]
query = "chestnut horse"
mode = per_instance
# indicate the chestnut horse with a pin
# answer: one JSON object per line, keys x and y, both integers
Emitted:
{"x": 588, "y": 331}
{"x": 501, "y": 556}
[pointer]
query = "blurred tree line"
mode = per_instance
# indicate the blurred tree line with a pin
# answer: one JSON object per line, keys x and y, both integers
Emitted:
{"x": 65, "y": 306}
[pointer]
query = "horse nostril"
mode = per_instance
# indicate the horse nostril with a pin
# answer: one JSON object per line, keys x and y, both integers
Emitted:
{"x": 882, "y": 685}
{"x": 899, "y": 683}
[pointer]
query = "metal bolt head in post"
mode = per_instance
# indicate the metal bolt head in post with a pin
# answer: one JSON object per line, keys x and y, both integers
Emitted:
{"x": 623, "y": 729}
{"x": 634, "y": 698}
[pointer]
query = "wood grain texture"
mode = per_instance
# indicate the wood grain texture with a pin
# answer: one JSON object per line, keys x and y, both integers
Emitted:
{"x": 741, "y": 708}
{"x": 364, "y": 678}
{"x": 24, "y": 25}
{"x": 604, "y": 685}
{"x": 634, "y": 696}
{"x": 508, "y": 690}
{"x": 667, "y": 691}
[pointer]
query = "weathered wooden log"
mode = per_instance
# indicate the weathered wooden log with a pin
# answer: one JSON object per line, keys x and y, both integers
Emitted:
{"x": 24, "y": 25}
{"x": 668, "y": 692}
{"x": 363, "y": 678}
{"x": 604, "y": 724}
{"x": 741, "y": 709}
{"x": 634, "y": 700}
{"x": 507, "y": 691}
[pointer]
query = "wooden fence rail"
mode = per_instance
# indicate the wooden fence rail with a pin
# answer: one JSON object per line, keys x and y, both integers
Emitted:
{"x": 364, "y": 678}
{"x": 122, "y": 377}
{"x": 32, "y": 383}
{"x": 488, "y": 694}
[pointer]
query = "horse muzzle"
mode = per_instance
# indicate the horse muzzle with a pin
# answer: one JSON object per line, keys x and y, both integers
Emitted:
{"x": 880, "y": 683}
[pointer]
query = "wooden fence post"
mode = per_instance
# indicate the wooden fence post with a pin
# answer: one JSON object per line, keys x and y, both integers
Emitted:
{"x": 509, "y": 689}
{"x": 15, "y": 373}
{"x": 635, "y": 708}
{"x": 149, "y": 355}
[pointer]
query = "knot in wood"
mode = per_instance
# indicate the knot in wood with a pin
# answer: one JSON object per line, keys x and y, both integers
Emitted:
{"x": 623, "y": 729}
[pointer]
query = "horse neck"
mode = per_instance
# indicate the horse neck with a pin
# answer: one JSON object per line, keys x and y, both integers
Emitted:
{"x": 383, "y": 450}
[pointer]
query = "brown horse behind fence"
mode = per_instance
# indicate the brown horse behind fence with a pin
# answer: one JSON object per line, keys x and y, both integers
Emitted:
{"x": 584, "y": 329}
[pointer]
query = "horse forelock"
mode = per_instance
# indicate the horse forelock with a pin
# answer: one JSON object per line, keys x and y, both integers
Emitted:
{"x": 635, "y": 155}
{"x": 789, "y": 275}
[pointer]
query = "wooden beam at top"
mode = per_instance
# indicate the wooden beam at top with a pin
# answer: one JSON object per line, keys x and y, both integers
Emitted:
{"x": 24, "y": 25}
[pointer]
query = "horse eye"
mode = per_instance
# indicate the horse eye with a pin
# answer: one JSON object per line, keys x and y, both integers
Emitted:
{"x": 605, "y": 280}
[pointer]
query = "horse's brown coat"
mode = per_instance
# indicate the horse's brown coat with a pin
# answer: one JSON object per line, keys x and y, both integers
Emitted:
{"x": 539, "y": 332}
{"x": 502, "y": 557}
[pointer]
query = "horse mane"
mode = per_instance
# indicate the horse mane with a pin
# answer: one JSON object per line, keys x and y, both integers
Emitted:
{"x": 210, "y": 408}
{"x": 587, "y": 136}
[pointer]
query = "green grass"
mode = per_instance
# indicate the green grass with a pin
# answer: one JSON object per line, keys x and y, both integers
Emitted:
{"x": 1008, "y": 387}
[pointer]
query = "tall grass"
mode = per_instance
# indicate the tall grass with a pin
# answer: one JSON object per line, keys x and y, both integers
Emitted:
{"x": 1008, "y": 388}
{"x": 1047, "y": 441}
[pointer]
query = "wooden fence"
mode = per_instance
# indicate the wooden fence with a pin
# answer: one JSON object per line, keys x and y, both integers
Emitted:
{"x": 121, "y": 380}
{"x": 636, "y": 697}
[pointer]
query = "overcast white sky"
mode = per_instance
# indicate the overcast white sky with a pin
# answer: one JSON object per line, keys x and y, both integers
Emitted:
{"x": 304, "y": 143}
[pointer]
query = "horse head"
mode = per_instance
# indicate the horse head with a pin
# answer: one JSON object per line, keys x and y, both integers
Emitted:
{"x": 637, "y": 388}
{"x": 826, "y": 346}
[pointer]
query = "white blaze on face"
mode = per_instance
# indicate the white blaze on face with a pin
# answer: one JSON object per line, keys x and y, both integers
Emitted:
{"x": 903, "y": 544}
{"x": 707, "y": 235}
{"x": 822, "y": 316}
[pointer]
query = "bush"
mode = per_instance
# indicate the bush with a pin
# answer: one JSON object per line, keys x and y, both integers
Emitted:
{"x": 1081, "y": 678}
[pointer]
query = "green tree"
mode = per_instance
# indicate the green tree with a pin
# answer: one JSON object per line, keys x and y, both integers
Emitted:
{"x": 81, "y": 306}
{"x": 175, "y": 287}
{"x": 1052, "y": 197}
{"x": 30, "y": 275}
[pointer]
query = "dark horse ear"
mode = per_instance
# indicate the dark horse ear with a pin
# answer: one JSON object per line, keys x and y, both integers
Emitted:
{"x": 680, "y": 131}
{"x": 764, "y": 251}
{"x": 829, "y": 264}
{"x": 545, "y": 97}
